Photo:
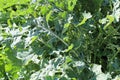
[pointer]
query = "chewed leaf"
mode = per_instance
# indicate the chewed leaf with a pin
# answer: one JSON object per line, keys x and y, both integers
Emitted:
{"x": 71, "y": 4}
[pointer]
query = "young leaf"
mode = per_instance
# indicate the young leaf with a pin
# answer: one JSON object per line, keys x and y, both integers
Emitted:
{"x": 111, "y": 19}
{"x": 48, "y": 16}
{"x": 70, "y": 48}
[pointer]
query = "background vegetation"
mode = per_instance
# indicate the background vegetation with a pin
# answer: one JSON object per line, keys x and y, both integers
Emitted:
{"x": 59, "y": 40}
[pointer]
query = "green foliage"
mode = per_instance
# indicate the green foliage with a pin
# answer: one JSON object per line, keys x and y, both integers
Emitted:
{"x": 59, "y": 40}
